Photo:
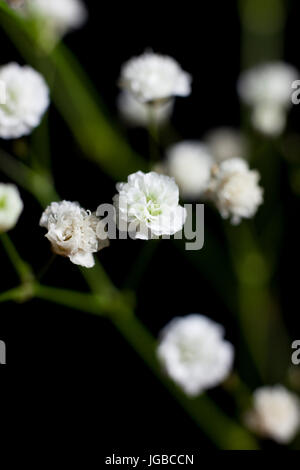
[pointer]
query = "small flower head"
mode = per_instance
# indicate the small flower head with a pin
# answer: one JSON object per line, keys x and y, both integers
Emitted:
{"x": 148, "y": 205}
{"x": 269, "y": 83}
{"x": 235, "y": 190}
{"x": 56, "y": 17}
{"x": 11, "y": 206}
{"x": 275, "y": 414}
{"x": 190, "y": 164}
{"x": 225, "y": 143}
{"x": 72, "y": 232}
{"x": 194, "y": 354}
{"x": 267, "y": 89}
{"x": 135, "y": 113}
{"x": 26, "y": 100}
{"x": 153, "y": 77}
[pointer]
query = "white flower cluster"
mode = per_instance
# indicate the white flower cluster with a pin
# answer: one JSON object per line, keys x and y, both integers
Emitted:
{"x": 148, "y": 205}
{"x": 194, "y": 354}
{"x": 11, "y": 206}
{"x": 267, "y": 89}
{"x": 275, "y": 414}
{"x": 56, "y": 17}
{"x": 153, "y": 77}
{"x": 72, "y": 232}
{"x": 190, "y": 163}
{"x": 26, "y": 100}
{"x": 230, "y": 184}
{"x": 235, "y": 190}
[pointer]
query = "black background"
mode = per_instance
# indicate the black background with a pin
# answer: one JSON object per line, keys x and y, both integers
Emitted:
{"x": 75, "y": 371}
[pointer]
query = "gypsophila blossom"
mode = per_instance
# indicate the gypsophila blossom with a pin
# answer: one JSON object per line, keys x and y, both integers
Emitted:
{"x": 135, "y": 113}
{"x": 194, "y": 354}
{"x": 224, "y": 143}
{"x": 148, "y": 206}
{"x": 190, "y": 163}
{"x": 26, "y": 100}
{"x": 267, "y": 89}
{"x": 235, "y": 189}
{"x": 11, "y": 206}
{"x": 275, "y": 414}
{"x": 269, "y": 119}
{"x": 56, "y": 17}
{"x": 153, "y": 77}
{"x": 73, "y": 232}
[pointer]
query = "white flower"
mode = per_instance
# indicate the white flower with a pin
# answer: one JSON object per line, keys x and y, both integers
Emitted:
{"x": 194, "y": 354}
{"x": 190, "y": 164}
{"x": 225, "y": 142}
{"x": 235, "y": 190}
{"x": 154, "y": 77}
{"x": 26, "y": 100}
{"x": 11, "y": 206}
{"x": 275, "y": 414}
{"x": 269, "y": 119}
{"x": 267, "y": 88}
{"x": 57, "y": 17}
{"x": 270, "y": 82}
{"x": 136, "y": 113}
{"x": 72, "y": 232}
{"x": 148, "y": 206}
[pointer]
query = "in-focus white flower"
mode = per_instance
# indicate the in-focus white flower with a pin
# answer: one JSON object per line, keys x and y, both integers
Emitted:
{"x": 135, "y": 113}
{"x": 153, "y": 77}
{"x": 72, "y": 232}
{"x": 11, "y": 206}
{"x": 26, "y": 100}
{"x": 56, "y": 17}
{"x": 275, "y": 414}
{"x": 190, "y": 164}
{"x": 224, "y": 143}
{"x": 194, "y": 354}
{"x": 235, "y": 189}
{"x": 148, "y": 206}
{"x": 267, "y": 88}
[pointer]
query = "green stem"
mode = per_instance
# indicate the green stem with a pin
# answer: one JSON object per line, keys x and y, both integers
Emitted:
{"x": 23, "y": 269}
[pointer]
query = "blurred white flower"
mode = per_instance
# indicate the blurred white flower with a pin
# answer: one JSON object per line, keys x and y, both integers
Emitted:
{"x": 11, "y": 206}
{"x": 267, "y": 88}
{"x": 26, "y": 100}
{"x": 56, "y": 17}
{"x": 135, "y": 113}
{"x": 194, "y": 354}
{"x": 148, "y": 205}
{"x": 275, "y": 414}
{"x": 72, "y": 232}
{"x": 190, "y": 163}
{"x": 269, "y": 119}
{"x": 235, "y": 189}
{"x": 224, "y": 143}
{"x": 153, "y": 77}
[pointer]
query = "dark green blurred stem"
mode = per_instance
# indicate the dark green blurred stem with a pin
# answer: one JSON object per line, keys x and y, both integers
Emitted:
{"x": 153, "y": 132}
{"x": 263, "y": 24}
{"x": 23, "y": 269}
{"x": 39, "y": 185}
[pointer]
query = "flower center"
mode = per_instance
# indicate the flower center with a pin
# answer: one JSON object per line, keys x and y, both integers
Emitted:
{"x": 2, "y": 202}
{"x": 153, "y": 206}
